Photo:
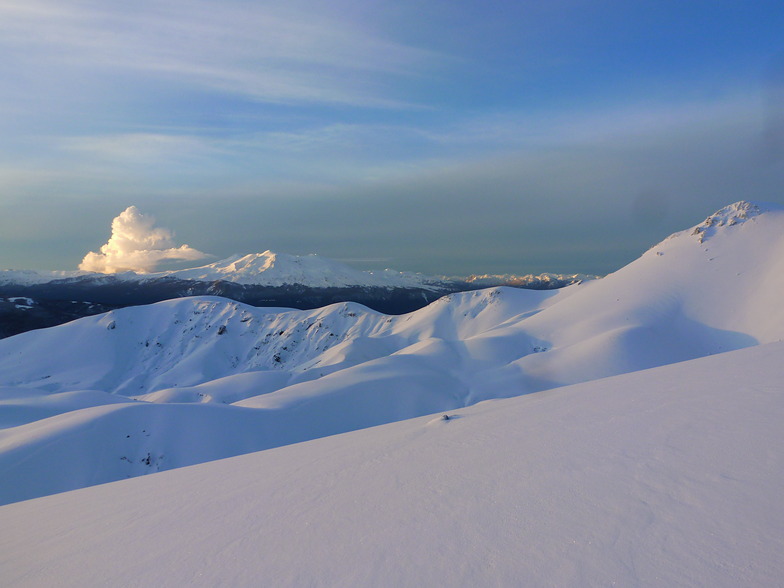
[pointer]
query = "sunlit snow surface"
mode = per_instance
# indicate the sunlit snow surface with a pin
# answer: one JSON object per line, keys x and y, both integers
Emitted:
{"x": 666, "y": 477}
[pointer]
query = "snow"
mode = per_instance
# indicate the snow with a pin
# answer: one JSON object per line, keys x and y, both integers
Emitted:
{"x": 665, "y": 477}
{"x": 620, "y": 431}
{"x": 728, "y": 216}
{"x": 547, "y": 279}
{"x": 33, "y": 277}
{"x": 278, "y": 269}
{"x": 22, "y": 301}
{"x": 251, "y": 379}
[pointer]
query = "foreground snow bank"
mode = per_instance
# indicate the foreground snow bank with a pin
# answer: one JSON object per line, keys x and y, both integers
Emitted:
{"x": 665, "y": 477}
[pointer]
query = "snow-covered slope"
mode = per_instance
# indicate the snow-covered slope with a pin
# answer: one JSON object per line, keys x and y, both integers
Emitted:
{"x": 297, "y": 375}
{"x": 211, "y": 352}
{"x": 666, "y": 477}
{"x": 190, "y": 341}
{"x": 712, "y": 288}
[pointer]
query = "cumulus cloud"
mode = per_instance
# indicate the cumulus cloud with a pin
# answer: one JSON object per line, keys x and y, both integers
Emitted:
{"x": 137, "y": 245}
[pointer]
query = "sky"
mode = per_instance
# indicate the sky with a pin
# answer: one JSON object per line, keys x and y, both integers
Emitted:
{"x": 447, "y": 137}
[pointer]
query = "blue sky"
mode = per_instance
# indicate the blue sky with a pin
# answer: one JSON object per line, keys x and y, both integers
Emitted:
{"x": 444, "y": 137}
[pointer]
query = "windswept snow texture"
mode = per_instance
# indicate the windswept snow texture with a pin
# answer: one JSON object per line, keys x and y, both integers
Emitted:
{"x": 197, "y": 379}
{"x": 665, "y": 477}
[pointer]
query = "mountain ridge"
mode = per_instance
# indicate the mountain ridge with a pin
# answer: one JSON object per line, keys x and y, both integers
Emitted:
{"x": 261, "y": 279}
{"x": 279, "y": 269}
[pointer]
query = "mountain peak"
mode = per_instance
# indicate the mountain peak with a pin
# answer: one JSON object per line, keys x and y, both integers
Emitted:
{"x": 277, "y": 269}
{"x": 251, "y": 262}
{"x": 730, "y": 215}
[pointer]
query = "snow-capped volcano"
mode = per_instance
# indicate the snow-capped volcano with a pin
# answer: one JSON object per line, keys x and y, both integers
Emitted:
{"x": 293, "y": 375}
{"x": 278, "y": 269}
{"x": 262, "y": 269}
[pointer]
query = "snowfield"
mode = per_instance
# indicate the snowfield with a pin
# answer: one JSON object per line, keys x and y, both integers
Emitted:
{"x": 668, "y": 476}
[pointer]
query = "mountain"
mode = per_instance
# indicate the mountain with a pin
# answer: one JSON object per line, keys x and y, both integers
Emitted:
{"x": 257, "y": 269}
{"x": 152, "y": 388}
{"x": 664, "y": 477}
{"x": 261, "y": 279}
{"x": 271, "y": 269}
{"x": 311, "y": 271}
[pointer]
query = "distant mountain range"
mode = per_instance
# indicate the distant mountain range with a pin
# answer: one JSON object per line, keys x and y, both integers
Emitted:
{"x": 35, "y": 299}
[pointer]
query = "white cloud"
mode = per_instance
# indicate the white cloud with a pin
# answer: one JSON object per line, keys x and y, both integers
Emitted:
{"x": 137, "y": 245}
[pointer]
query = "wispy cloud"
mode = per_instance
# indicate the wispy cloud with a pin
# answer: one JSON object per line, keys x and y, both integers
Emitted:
{"x": 140, "y": 148}
{"x": 264, "y": 51}
{"x": 512, "y": 129}
{"x": 378, "y": 152}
